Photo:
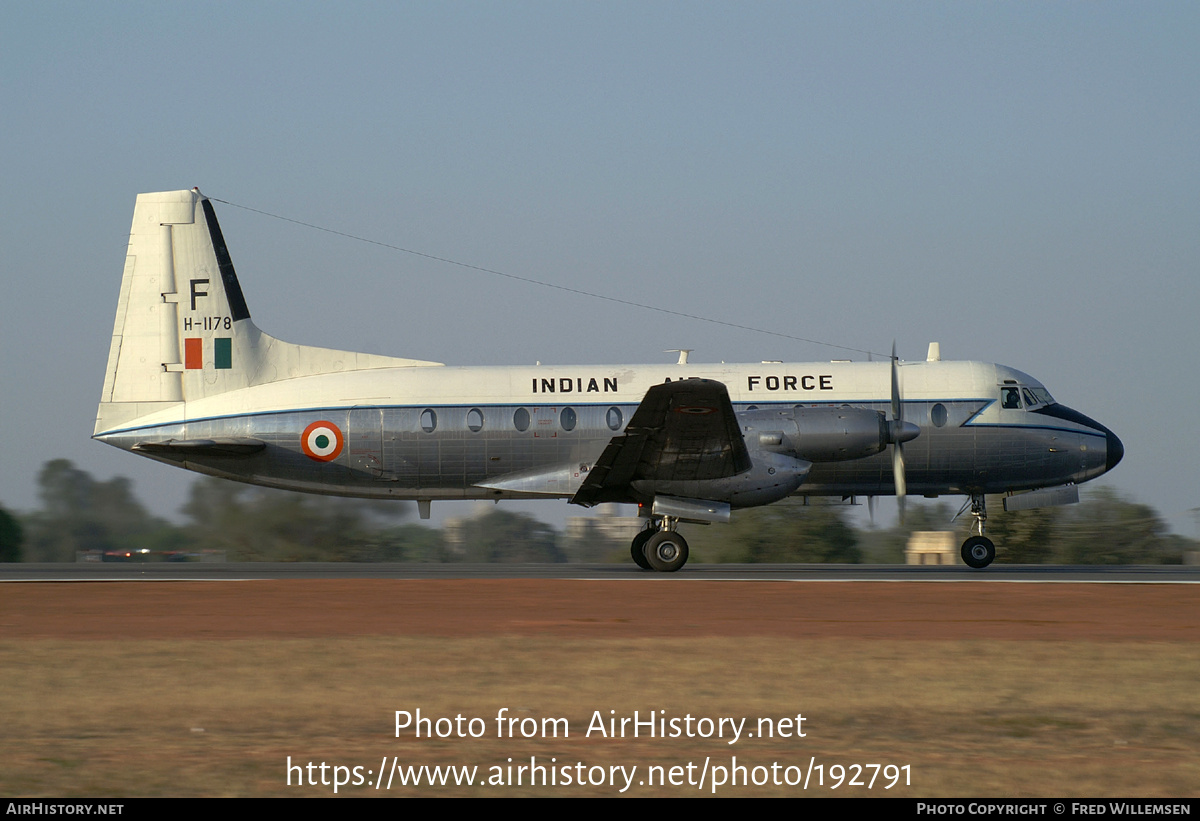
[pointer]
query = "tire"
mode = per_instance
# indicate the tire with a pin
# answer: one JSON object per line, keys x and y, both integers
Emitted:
{"x": 637, "y": 550}
{"x": 978, "y": 552}
{"x": 666, "y": 551}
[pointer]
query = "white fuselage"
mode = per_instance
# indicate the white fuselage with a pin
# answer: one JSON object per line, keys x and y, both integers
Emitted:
{"x": 451, "y": 432}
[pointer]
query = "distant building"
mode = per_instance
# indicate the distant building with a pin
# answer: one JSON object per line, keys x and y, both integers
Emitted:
{"x": 591, "y": 538}
{"x": 931, "y": 547}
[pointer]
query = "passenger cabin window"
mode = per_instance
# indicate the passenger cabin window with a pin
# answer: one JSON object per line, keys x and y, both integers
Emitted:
{"x": 428, "y": 420}
{"x": 614, "y": 418}
{"x": 521, "y": 420}
{"x": 475, "y": 420}
{"x": 938, "y": 415}
{"x": 567, "y": 419}
{"x": 1010, "y": 398}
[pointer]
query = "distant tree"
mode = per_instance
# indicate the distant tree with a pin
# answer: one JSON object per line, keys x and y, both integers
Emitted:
{"x": 406, "y": 543}
{"x": 11, "y": 537}
{"x": 79, "y": 513}
{"x": 507, "y": 536}
{"x": 787, "y": 531}
{"x": 924, "y": 516}
{"x": 1023, "y": 536}
{"x": 260, "y": 524}
{"x": 64, "y": 524}
{"x": 1108, "y": 529}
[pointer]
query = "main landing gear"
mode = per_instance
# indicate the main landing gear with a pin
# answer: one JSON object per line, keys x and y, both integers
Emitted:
{"x": 659, "y": 547}
{"x": 978, "y": 551}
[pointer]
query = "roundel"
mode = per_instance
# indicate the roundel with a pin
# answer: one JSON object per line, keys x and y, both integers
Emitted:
{"x": 322, "y": 441}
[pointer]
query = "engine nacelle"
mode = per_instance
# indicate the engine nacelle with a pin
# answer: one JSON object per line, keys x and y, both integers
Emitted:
{"x": 822, "y": 434}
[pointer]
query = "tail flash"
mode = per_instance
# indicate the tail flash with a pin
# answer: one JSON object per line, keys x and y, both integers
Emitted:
{"x": 183, "y": 331}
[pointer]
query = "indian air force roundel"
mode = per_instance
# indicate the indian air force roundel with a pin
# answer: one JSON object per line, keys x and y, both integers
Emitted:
{"x": 322, "y": 441}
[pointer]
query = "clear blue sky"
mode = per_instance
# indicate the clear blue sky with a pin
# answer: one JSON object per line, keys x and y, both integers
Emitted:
{"x": 1016, "y": 181}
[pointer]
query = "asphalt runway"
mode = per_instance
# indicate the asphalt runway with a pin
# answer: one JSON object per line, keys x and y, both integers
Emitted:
{"x": 168, "y": 571}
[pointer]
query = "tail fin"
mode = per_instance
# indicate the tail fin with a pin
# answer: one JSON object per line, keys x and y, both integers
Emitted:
{"x": 183, "y": 330}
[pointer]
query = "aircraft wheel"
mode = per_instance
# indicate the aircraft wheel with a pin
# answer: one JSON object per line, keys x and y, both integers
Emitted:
{"x": 978, "y": 551}
{"x": 666, "y": 551}
{"x": 638, "y": 549}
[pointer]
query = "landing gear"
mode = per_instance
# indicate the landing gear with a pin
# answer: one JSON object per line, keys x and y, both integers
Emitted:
{"x": 659, "y": 547}
{"x": 978, "y": 551}
{"x": 638, "y": 549}
{"x": 666, "y": 551}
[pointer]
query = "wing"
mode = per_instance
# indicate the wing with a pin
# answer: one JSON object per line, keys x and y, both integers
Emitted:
{"x": 682, "y": 431}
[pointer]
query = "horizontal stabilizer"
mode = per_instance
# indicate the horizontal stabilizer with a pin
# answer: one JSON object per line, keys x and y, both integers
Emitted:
{"x": 185, "y": 448}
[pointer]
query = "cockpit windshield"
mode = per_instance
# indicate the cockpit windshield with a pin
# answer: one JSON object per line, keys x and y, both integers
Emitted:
{"x": 1043, "y": 396}
{"x": 1011, "y": 397}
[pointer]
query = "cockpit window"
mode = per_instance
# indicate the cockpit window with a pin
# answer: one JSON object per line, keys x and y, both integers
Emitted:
{"x": 1029, "y": 400}
{"x": 1010, "y": 398}
{"x": 1043, "y": 395}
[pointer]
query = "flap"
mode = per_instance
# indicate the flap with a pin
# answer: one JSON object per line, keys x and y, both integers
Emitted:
{"x": 682, "y": 431}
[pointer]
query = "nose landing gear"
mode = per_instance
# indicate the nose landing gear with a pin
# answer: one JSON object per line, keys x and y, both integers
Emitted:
{"x": 978, "y": 551}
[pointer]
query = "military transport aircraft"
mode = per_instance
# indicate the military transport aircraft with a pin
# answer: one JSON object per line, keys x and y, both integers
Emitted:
{"x": 192, "y": 382}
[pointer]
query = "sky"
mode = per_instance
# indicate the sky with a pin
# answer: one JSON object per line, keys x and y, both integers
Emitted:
{"x": 1016, "y": 181}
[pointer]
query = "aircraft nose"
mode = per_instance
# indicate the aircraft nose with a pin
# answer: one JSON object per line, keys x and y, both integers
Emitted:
{"x": 1115, "y": 450}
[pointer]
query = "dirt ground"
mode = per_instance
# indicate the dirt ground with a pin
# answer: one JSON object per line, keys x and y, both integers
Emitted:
{"x": 190, "y": 688}
{"x": 585, "y": 609}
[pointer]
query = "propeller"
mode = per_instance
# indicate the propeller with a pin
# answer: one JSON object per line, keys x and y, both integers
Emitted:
{"x": 900, "y": 432}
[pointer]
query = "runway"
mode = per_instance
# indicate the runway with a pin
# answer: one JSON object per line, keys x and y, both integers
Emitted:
{"x": 169, "y": 571}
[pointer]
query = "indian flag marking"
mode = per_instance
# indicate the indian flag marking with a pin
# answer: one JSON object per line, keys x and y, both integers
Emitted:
{"x": 223, "y": 353}
{"x": 193, "y": 353}
{"x": 322, "y": 441}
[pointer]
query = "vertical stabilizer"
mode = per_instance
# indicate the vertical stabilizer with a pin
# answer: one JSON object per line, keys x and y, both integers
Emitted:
{"x": 183, "y": 330}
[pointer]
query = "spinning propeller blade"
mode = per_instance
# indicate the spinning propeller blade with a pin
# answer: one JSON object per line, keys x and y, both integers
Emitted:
{"x": 898, "y": 434}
